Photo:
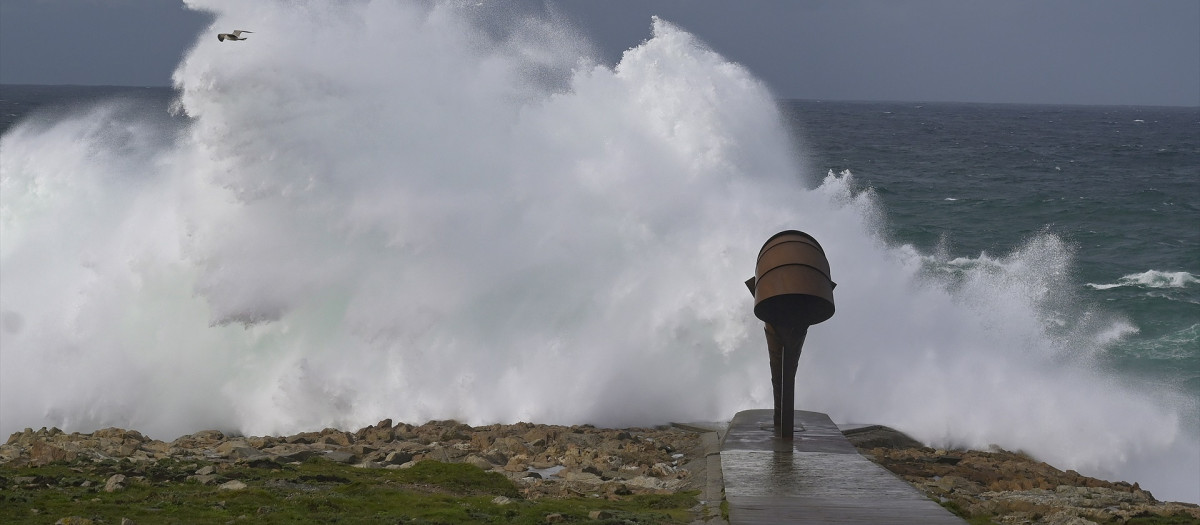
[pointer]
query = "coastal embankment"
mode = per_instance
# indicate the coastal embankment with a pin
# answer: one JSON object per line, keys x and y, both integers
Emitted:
{"x": 525, "y": 464}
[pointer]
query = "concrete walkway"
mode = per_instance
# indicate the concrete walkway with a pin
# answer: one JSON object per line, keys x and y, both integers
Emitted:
{"x": 819, "y": 477}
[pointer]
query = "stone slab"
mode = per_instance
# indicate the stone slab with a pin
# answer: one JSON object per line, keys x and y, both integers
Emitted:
{"x": 818, "y": 477}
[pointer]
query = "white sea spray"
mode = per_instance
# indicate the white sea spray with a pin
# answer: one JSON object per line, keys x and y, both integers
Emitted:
{"x": 1151, "y": 279}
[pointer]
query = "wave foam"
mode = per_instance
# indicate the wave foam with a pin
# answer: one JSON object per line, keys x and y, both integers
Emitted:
{"x": 1151, "y": 279}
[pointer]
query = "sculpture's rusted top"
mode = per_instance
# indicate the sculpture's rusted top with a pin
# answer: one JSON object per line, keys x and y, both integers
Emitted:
{"x": 792, "y": 285}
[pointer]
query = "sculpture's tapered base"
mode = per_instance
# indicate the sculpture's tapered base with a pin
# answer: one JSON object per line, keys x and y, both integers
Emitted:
{"x": 784, "y": 344}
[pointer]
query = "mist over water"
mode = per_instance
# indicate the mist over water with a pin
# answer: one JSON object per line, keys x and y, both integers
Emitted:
{"x": 449, "y": 211}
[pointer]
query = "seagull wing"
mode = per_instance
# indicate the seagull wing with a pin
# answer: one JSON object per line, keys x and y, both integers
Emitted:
{"x": 238, "y": 32}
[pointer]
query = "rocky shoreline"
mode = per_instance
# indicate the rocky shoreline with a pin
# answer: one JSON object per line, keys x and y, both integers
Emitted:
{"x": 550, "y": 461}
{"x": 1013, "y": 488}
{"x": 544, "y": 460}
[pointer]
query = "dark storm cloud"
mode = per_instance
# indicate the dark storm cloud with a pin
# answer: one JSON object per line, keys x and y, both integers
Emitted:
{"x": 102, "y": 42}
{"x": 1041, "y": 51}
{"x": 1050, "y": 51}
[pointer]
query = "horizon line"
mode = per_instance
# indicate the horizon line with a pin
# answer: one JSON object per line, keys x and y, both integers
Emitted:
{"x": 807, "y": 99}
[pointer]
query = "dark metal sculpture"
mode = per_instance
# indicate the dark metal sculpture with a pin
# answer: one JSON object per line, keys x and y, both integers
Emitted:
{"x": 792, "y": 290}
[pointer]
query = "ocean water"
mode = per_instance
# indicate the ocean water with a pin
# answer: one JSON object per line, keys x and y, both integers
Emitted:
{"x": 450, "y": 211}
{"x": 1118, "y": 187}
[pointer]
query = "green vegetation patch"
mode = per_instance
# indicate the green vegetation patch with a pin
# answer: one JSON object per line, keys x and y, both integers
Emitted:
{"x": 1162, "y": 520}
{"x": 957, "y": 509}
{"x": 316, "y": 491}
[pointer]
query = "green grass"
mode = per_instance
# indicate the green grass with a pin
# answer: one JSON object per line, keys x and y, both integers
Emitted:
{"x": 1162, "y": 520}
{"x": 1136, "y": 520}
{"x": 317, "y": 491}
{"x": 957, "y": 509}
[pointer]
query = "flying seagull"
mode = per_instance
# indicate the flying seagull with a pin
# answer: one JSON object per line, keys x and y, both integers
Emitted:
{"x": 235, "y": 35}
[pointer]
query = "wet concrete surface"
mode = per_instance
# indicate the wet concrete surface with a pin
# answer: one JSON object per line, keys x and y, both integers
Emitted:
{"x": 818, "y": 477}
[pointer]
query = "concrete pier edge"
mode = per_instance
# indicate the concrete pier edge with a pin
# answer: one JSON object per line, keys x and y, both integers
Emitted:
{"x": 712, "y": 496}
{"x": 818, "y": 477}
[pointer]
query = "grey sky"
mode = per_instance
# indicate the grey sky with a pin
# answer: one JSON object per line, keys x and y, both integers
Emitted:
{"x": 1028, "y": 51}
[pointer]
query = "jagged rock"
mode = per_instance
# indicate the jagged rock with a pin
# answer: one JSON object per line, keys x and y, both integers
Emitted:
{"x": 232, "y": 485}
{"x": 483, "y": 439}
{"x": 578, "y": 476}
{"x": 245, "y": 453}
{"x": 539, "y": 436}
{"x": 362, "y": 450}
{"x": 381, "y": 432}
{"x": 543, "y": 462}
{"x": 16, "y": 438}
{"x": 663, "y": 470}
{"x": 341, "y": 456}
{"x": 119, "y": 434}
{"x": 398, "y": 457}
{"x": 403, "y": 431}
{"x": 43, "y": 453}
{"x": 496, "y": 457}
{"x": 333, "y": 436}
{"x": 646, "y": 482}
{"x": 1063, "y": 517}
{"x": 517, "y": 464}
{"x": 203, "y": 479}
{"x": 511, "y": 446}
{"x": 292, "y": 455}
{"x": 261, "y": 442}
{"x": 582, "y": 440}
{"x": 630, "y": 471}
{"x": 1016, "y": 488}
{"x": 957, "y": 484}
{"x": 208, "y": 435}
{"x": 114, "y": 483}
{"x": 446, "y": 454}
{"x": 303, "y": 438}
{"x": 156, "y": 448}
{"x": 225, "y": 448}
{"x": 478, "y": 462}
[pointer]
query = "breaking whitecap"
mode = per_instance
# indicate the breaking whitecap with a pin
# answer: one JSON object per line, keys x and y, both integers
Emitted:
{"x": 1151, "y": 279}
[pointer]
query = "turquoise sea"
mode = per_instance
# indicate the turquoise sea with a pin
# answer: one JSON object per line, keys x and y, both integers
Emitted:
{"x": 971, "y": 182}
